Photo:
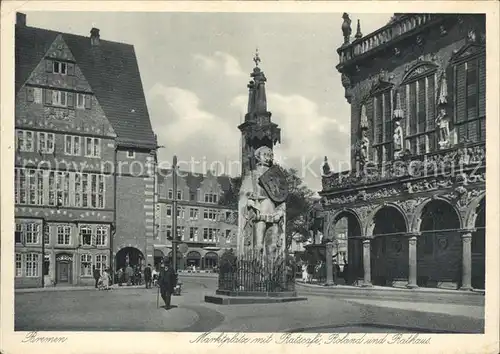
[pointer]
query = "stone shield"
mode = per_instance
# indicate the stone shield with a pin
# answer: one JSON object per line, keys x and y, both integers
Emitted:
{"x": 274, "y": 182}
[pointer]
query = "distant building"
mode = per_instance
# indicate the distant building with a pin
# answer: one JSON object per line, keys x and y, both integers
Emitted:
{"x": 204, "y": 224}
{"x": 414, "y": 200}
{"x": 82, "y": 126}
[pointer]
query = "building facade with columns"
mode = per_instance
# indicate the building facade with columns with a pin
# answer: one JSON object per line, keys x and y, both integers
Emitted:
{"x": 204, "y": 222}
{"x": 85, "y": 157}
{"x": 414, "y": 199}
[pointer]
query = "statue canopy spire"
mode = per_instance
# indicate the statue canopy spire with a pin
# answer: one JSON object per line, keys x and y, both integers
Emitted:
{"x": 256, "y": 57}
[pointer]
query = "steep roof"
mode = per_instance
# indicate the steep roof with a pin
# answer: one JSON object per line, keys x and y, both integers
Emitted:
{"x": 110, "y": 68}
{"x": 194, "y": 180}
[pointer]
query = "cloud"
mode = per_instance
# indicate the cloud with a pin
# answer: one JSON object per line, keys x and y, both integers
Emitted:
{"x": 306, "y": 133}
{"x": 190, "y": 130}
{"x": 220, "y": 63}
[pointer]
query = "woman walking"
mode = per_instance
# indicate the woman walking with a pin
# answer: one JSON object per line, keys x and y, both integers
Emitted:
{"x": 105, "y": 279}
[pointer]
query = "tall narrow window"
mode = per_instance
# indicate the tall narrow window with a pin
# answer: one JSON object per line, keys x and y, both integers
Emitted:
{"x": 92, "y": 147}
{"x": 25, "y": 140}
{"x": 420, "y": 90}
{"x": 101, "y": 262}
{"x": 19, "y": 265}
{"x": 86, "y": 265}
{"x": 63, "y": 235}
{"x": 101, "y": 236}
{"x": 46, "y": 142}
{"x": 52, "y": 188}
{"x": 469, "y": 67}
{"x": 32, "y": 233}
{"x": 72, "y": 145}
{"x": 32, "y": 265}
{"x": 85, "y": 235}
{"x": 382, "y": 121}
{"x": 78, "y": 189}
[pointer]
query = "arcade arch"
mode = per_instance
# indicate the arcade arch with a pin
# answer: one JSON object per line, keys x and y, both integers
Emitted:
{"x": 389, "y": 247}
{"x": 346, "y": 224}
{"x": 439, "y": 246}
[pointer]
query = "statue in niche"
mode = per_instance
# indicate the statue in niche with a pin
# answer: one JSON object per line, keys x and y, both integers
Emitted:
{"x": 442, "y": 119}
{"x": 398, "y": 139}
{"x": 364, "y": 142}
{"x": 364, "y": 146}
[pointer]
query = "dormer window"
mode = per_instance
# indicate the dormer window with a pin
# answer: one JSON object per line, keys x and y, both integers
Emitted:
{"x": 59, "y": 67}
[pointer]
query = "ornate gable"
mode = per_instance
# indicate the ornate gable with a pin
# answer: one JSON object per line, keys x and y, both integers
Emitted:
{"x": 59, "y": 50}
{"x": 380, "y": 86}
{"x": 419, "y": 70}
{"x": 469, "y": 50}
{"x": 42, "y": 74}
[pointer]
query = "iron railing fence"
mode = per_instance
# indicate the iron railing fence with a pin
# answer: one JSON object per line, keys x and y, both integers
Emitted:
{"x": 255, "y": 272}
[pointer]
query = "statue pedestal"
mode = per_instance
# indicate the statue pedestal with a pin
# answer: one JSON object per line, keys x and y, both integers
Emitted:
{"x": 252, "y": 279}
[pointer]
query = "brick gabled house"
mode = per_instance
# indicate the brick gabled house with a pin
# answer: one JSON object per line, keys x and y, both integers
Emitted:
{"x": 85, "y": 158}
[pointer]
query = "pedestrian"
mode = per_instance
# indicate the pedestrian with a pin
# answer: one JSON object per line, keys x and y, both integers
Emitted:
{"x": 97, "y": 274}
{"x": 346, "y": 273}
{"x": 304, "y": 273}
{"x": 335, "y": 271}
{"x": 155, "y": 277}
{"x": 148, "y": 276}
{"x": 310, "y": 272}
{"x": 120, "y": 276}
{"x": 129, "y": 274}
{"x": 167, "y": 280}
{"x": 105, "y": 279}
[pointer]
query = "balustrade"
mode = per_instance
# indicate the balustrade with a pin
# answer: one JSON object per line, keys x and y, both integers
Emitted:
{"x": 436, "y": 163}
{"x": 397, "y": 28}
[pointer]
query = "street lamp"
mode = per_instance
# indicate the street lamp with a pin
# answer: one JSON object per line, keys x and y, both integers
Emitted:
{"x": 174, "y": 216}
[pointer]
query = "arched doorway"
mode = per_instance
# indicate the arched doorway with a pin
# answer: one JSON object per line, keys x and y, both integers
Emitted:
{"x": 64, "y": 268}
{"x": 439, "y": 247}
{"x": 158, "y": 256}
{"x": 478, "y": 247}
{"x": 345, "y": 231}
{"x": 211, "y": 260}
{"x": 389, "y": 247}
{"x": 129, "y": 256}
{"x": 193, "y": 258}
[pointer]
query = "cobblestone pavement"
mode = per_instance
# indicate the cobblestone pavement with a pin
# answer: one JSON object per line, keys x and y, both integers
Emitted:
{"x": 326, "y": 310}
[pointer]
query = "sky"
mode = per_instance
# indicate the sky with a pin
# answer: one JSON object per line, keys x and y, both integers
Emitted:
{"x": 195, "y": 69}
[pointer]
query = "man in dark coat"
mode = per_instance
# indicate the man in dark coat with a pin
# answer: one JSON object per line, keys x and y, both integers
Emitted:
{"x": 97, "y": 274}
{"x": 147, "y": 276}
{"x": 167, "y": 281}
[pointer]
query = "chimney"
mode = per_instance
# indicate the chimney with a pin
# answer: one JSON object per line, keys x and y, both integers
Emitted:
{"x": 94, "y": 36}
{"x": 20, "y": 19}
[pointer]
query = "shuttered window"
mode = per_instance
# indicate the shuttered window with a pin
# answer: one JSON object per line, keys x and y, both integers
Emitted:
{"x": 470, "y": 99}
{"x": 419, "y": 99}
{"x": 383, "y": 131}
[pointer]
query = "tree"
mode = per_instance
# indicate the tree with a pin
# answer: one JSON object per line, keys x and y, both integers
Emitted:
{"x": 299, "y": 202}
{"x": 230, "y": 196}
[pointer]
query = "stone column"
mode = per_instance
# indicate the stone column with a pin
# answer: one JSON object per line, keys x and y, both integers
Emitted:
{"x": 329, "y": 263}
{"x": 466, "y": 261}
{"x": 412, "y": 262}
{"x": 367, "y": 282}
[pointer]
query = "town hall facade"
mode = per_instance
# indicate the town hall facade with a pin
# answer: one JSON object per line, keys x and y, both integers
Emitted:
{"x": 414, "y": 200}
